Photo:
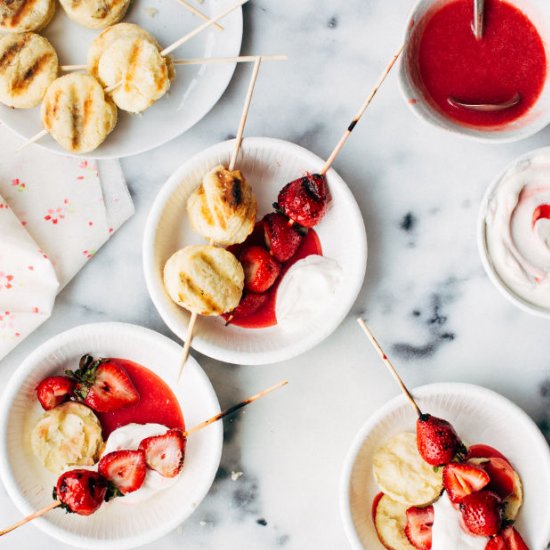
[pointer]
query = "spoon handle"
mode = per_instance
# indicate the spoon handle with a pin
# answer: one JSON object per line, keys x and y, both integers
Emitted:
{"x": 479, "y": 6}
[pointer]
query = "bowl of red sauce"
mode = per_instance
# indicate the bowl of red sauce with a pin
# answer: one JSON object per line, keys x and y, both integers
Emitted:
{"x": 444, "y": 65}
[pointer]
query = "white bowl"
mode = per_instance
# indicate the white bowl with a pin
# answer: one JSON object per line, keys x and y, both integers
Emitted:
{"x": 488, "y": 265}
{"x": 268, "y": 165}
{"x": 479, "y": 416}
{"x": 116, "y": 525}
{"x": 530, "y": 123}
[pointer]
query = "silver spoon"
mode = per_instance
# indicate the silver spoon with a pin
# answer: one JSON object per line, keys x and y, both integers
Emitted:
{"x": 485, "y": 107}
{"x": 477, "y": 25}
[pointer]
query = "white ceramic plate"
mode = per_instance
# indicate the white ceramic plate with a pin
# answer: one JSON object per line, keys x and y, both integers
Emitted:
{"x": 268, "y": 165}
{"x": 116, "y": 525}
{"x": 479, "y": 416}
{"x": 193, "y": 93}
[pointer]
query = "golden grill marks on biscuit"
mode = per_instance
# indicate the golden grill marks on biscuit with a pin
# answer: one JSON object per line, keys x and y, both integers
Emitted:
{"x": 95, "y": 14}
{"x": 18, "y": 16}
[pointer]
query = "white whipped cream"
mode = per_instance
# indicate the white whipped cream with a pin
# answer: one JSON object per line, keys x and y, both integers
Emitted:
{"x": 447, "y": 534}
{"x": 517, "y": 237}
{"x": 306, "y": 290}
{"x": 128, "y": 438}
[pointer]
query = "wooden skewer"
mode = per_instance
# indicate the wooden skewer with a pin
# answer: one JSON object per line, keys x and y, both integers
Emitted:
{"x": 34, "y": 138}
{"x": 390, "y": 366}
{"x": 198, "y": 13}
{"x": 361, "y": 112}
{"x": 199, "y": 29}
{"x": 45, "y": 510}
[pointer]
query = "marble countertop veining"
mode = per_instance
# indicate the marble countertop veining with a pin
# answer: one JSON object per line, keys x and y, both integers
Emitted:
{"x": 425, "y": 295}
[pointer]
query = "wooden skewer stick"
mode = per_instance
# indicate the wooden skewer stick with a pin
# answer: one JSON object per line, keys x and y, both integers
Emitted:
{"x": 34, "y": 138}
{"x": 199, "y": 29}
{"x": 234, "y": 408}
{"x": 390, "y": 366}
{"x": 35, "y": 515}
{"x": 361, "y": 112}
{"x": 198, "y": 12}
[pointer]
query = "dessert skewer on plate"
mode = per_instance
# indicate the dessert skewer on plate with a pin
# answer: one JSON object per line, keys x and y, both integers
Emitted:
{"x": 74, "y": 492}
{"x": 198, "y": 13}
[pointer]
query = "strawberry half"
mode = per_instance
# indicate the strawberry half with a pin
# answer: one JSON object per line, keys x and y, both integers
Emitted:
{"x": 126, "y": 470}
{"x": 165, "y": 453}
{"x": 509, "y": 539}
{"x": 282, "y": 237}
{"x": 419, "y": 527}
{"x": 81, "y": 491}
{"x": 437, "y": 441}
{"x": 482, "y": 513}
{"x": 461, "y": 479}
{"x": 103, "y": 384}
{"x": 249, "y": 304}
{"x": 54, "y": 390}
{"x": 260, "y": 269}
{"x": 305, "y": 200}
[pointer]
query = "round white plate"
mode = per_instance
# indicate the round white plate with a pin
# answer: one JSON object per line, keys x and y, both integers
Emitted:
{"x": 116, "y": 525}
{"x": 195, "y": 90}
{"x": 479, "y": 416}
{"x": 268, "y": 165}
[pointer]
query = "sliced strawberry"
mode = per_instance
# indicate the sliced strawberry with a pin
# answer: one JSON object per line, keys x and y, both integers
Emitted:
{"x": 165, "y": 453}
{"x": 482, "y": 513}
{"x": 484, "y": 451}
{"x": 249, "y": 304}
{"x": 125, "y": 469}
{"x": 419, "y": 527}
{"x": 104, "y": 384}
{"x": 260, "y": 269}
{"x": 52, "y": 391}
{"x": 503, "y": 476}
{"x": 460, "y": 480}
{"x": 282, "y": 237}
{"x": 81, "y": 491}
{"x": 437, "y": 441}
{"x": 509, "y": 539}
{"x": 305, "y": 200}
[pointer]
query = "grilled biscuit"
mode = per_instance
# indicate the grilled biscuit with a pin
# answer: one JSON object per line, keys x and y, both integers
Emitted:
{"x": 25, "y": 15}
{"x": 95, "y": 14}
{"x": 204, "y": 279}
{"x": 28, "y": 65}
{"x": 223, "y": 208}
{"x": 77, "y": 113}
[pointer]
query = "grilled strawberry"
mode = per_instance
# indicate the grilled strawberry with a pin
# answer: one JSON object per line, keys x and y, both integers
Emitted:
{"x": 126, "y": 470}
{"x": 461, "y": 480}
{"x": 305, "y": 200}
{"x": 165, "y": 453}
{"x": 260, "y": 269}
{"x": 482, "y": 513}
{"x": 282, "y": 237}
{"x": 419, "y": 527}
{"x": 437, "y": 441}
{"x": 52, "y": 391}
{"x": 81, "y": 491}
{"x": 103, "y": 384}
{"x": 509, "y": 539}
{"x": 249, "y": 304}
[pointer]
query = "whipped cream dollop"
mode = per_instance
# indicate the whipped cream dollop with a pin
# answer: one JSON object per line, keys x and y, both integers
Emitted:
{"x": 307, "y": 289}
{"x": 128, "y": 438}
{"x": 447, "y": 534}
{"x": 517, "y": 230}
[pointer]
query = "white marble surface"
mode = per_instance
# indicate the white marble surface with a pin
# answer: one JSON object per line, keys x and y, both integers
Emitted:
{"x": 425, "y": 294}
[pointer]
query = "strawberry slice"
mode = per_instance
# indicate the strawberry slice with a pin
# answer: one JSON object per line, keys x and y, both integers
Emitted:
{"x": 461, "y": 480}
{"x": 54, "y": 390}
{"x": 419, "y": 527}
{"x": 249, "y": 304}
{"x": 282, "y": 237}
{"x": 165, "y": 453}
{"x": 103, "y": 384}
{"x": 260, "y": 269}
{"x": 502, "y": 476}
{"x": 481, "y": 513}
{"x": 509, "y": 539}
{"x": 81, "y": 491}
{"x": 125, "y": 469}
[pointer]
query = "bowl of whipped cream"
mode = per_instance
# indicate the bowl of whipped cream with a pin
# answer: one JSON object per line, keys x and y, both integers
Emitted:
{"x": 514, "y": 232}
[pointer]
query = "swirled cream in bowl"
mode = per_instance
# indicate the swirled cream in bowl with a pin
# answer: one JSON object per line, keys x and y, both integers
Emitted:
{"x": 515, "y": 232}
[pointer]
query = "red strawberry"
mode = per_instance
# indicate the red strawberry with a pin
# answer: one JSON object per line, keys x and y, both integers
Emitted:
{"x": 104, "y": 385}
{"x": 482, "y": 513}
{"x": 53, "y": 390}
{"x": 502, "y": 475}
{"x": 81, "y": 491}
{"x": 437, "y": 441}
{"x": 260, "y": 269}
{"x": 509, "y": 539}
{"x": 250, "y": 303}
{"x": 305, "y": 200}
{"x": 282, "y": 237}
{"x": 419, "y": 527}
{"x": 126, "y": 470}
{"x": 461, "y": 480}
{"x": 165, "y": 453}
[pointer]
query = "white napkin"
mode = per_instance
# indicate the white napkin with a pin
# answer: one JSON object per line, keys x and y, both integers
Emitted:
{"x": 55, "y": 213}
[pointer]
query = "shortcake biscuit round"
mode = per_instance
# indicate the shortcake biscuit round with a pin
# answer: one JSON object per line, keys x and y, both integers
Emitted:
{"x": 390, "y": 519}
{"x": 95, "y": 14}
{"x": 25, "y": 15}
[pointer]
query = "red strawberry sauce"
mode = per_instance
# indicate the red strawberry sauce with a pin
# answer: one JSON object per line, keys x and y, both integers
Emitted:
{"x": 509, "y": 59}
{"x": 157, "y": 404}
{"x": 266, "y": 317}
